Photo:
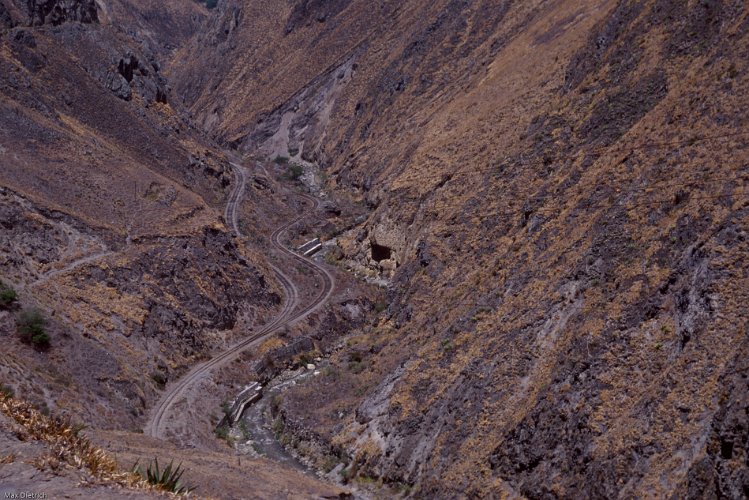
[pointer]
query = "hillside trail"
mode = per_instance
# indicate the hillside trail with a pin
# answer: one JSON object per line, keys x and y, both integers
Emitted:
{"x": 88, "y": 259}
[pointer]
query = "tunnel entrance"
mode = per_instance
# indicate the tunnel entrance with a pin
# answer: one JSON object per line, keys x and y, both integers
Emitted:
{"x": 380, "y": 253}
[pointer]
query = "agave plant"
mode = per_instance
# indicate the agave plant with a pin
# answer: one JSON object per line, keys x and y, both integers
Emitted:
{"x": 166, "y": 479}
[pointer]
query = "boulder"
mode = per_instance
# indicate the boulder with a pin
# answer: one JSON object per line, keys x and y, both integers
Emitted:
{"x": 119, "y": 86}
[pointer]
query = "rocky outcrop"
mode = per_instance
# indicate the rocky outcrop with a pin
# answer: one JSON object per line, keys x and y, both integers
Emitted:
{"x": 178, "y": 309}
{"x": 23, "y": 44}
{"x": 119, "y": 86}
{"x": 305, "y": 12}
{"x": 132, "y": 73}
{"x": 724, "y": 468}
{"x": 60, "y": 11}
{"x": 6, "y": 20}
{"x": 277, "y": 359}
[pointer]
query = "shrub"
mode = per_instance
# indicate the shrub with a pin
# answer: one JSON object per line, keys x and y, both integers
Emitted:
{"x": 306, "y": 358}
{"x": 65, "y": 442}
{"x": 210, "y": 4}
{"x": 244, "y": 430}
{"x": 6, "y": 391}
{"x": 275, "y": 404}
{"x": 167, "y": 479}
{"x": 159, "y": 378}
{"x": 297, "y": 171}
{"x": 222, "y": 432}
{"x": 7, "y": 296}
{"x": 31, "y": 325}
{"x": 357, "y": 367}
{"x": 329, "y": 463}
{"x": 281, "y": 160}
{"x": 278, "y": 427}
{"x": 226, "y": 408}
{"x": 294, "y": 172}
{"x": 380, "y": 306}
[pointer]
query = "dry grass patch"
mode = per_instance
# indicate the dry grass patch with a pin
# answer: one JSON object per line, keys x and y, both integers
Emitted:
{"x": 66, "y": 445}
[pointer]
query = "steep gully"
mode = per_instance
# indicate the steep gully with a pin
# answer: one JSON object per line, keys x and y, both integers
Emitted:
{"x": 159, "y": 419}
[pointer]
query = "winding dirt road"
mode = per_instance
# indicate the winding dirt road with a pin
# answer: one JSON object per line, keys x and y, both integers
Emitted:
{"x": 290, "y": 314}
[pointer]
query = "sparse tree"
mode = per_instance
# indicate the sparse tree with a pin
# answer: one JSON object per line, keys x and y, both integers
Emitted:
{"x": 31, "y": 328}
{"x": 8, "y": 296}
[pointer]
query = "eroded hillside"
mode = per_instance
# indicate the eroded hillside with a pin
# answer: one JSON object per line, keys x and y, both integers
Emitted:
{"x": 560, "y": 189}
{"x": 113, "y": 231}
{"x": 552, "y": 192}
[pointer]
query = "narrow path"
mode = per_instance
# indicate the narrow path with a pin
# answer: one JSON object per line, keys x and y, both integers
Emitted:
{"x": 73, "y": 265}
{"x": 290, "y": 314}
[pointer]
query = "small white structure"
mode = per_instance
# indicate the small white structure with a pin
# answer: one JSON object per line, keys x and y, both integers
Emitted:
{"x": 249, "y": 395}
{"x": 311, "y": 247}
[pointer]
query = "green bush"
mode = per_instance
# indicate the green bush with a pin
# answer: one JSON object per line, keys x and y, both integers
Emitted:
{"x": 357, "y": 366}
{"x": 331, "y": 372}
{"x": 7, "y": 296}
{"x": 222, "y": 432}
{"x": 167, "y": 479}
{"x": 305, "y": 358}
{"x": 6, "y": 391}
{"x": 226, "y": 408}
{"x": 275, "y": 404}
{"x": 31, "y": 325}
{"x": 294, "y": 172}
{"x": 278, "y": 427}
{"x": 159, "y": 378}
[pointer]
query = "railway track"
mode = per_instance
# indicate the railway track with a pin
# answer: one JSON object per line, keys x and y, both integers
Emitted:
{"x": 290, "y": 314}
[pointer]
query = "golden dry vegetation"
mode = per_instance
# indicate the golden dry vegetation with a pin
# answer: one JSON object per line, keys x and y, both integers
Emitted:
{"x": 553, "y": 193}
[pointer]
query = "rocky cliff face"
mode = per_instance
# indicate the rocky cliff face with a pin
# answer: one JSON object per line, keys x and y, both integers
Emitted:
{"x": 56, "y": 12}
{"x": 558, "y": 192}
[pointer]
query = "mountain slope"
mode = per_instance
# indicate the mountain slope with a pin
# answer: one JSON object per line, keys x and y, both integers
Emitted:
{"x": 562, "y": 188}
{"x": 111, "y": 212}
{"x": 554, "y": 194}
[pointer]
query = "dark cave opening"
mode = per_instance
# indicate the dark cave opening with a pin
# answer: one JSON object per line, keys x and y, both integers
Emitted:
{"x": 380, "y": 252}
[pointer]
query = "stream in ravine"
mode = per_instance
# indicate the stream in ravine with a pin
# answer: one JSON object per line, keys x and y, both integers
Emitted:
{"x": 254, "y": 431}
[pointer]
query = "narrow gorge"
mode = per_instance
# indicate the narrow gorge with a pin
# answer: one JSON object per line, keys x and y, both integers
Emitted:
{"x": 374, "y": 248}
